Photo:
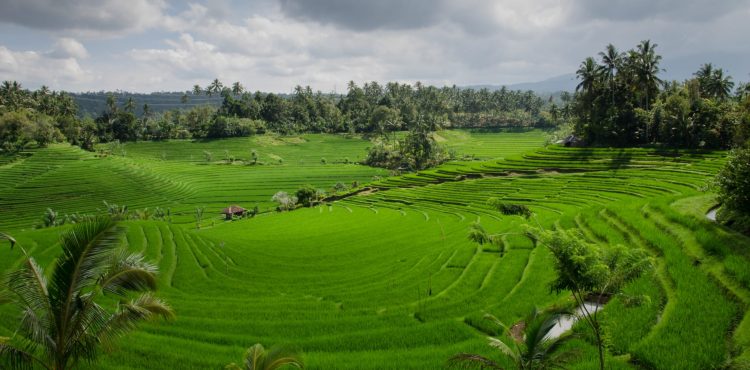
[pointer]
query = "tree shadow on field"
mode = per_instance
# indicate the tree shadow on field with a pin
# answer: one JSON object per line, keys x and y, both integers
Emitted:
{"x": 621, "y": 159}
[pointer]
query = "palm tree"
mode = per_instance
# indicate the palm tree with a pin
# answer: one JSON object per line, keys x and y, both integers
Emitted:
{"x": 588, "y": 72}
{"x": 258, "y": 358}
{"x": 704, "y": 73}
{"x": 720, "y": 86}
{"x": 646, "y": 64}
{"x": 535, "y": 349}
{"x": 237, "y": 88}
{"x": 611, "y": 59}
{"x": 197, "y": 90}
{"x": 215, "y": 87}
{"x": 61, "y": 321}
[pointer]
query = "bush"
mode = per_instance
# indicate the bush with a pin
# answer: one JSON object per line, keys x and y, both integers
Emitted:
{"x": 284, "y": 200}
{"x": 734, "y": 190}
{"x": 306, "y": 195}
{"x": 510, "y": 209}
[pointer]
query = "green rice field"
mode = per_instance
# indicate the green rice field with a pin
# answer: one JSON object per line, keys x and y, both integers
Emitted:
{"x": 387, "y": 278}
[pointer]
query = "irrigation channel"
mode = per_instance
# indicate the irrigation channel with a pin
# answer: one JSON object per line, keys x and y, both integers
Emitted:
{"x": 711, "y": 215}
{"x": 566, "y": 322}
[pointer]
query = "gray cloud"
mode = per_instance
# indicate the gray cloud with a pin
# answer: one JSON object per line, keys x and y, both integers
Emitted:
{"x": 105, "y": 16}
{"x": 366, "y": 15}
{"x": 272, "y": 45}
{"x": 675, "y": 10}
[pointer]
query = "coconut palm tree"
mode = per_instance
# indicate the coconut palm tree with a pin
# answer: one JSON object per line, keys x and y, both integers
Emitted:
{"x": 237, "y": 88}
{"x": 720, "y": 85}
{"x": 645, "y": 62}
{"x": 589, "y": 73}
{"x": 258, "y": 358}
{"x": 214, "y": 88}
{"x": 61, "y": 321}
{"x": 611, "y": 58}
{"x": 704, "y": 73}
{"x": 535, "y": 348}
{"x": 197, "y": 90}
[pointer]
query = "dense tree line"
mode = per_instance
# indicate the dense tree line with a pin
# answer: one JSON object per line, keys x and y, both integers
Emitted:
{"x": 621, "y": 101}
{"x": 40, "y": 116}
{"x": 43, "y": 116}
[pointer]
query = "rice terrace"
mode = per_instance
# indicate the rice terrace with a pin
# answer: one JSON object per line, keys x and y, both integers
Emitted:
{"x": 402, "y": 225}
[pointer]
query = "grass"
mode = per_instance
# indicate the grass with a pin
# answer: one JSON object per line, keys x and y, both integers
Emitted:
{"x": 389, "y": 279}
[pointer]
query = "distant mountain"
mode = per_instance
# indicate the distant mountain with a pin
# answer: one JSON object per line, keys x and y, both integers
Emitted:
{"x": 566, "y": 82}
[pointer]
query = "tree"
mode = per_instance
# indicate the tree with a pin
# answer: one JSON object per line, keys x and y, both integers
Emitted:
{"x": 237, "y": 88}
{"x": 734, "y": 189}
{"x": 645, "y": 64}
{"x": 215, "y": 87}
{"x": 589, "y": 73}
{"x": 284, "y": 200}
{"x": 720, "y": 85}
{"x": 258, "y": 358}
{"x": 590, "y": 271}
{"x": 197, "y": 90}
{"x": 535, "y": 349}
{"x": 62, "y": 322}
{"x": 611, "y": 59}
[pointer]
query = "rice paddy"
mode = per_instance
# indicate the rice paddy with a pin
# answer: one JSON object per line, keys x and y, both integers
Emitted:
{"x": 387, "y": 279}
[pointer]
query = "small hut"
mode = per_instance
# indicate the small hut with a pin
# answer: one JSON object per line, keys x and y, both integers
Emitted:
{"x": 572, "y": 141}
{"x": 233, "y": 210}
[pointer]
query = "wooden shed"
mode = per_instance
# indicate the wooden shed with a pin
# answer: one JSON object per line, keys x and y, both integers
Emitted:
{"x": 233, "y": 210}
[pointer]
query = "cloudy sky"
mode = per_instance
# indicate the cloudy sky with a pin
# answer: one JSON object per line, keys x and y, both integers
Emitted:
{"x": 273, "y": 45}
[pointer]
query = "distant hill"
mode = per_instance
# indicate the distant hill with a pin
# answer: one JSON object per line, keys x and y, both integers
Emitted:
{"x": 94, "y": 103}
{"x": 566, "y": 82}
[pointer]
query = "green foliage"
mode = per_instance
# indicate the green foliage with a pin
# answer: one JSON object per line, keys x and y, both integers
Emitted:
{"x": 587, "y": 270}
{"x": 306, "y": 195}
{"x": 62, "y": 321}
{"x": 258, "y": 358}
{"x": 528, "y": 350}
{"x": 734, "y": 189}
{"x": 509, "y": 209}
{"x": 284, "y": 201}
{"x": 622, "y": 102}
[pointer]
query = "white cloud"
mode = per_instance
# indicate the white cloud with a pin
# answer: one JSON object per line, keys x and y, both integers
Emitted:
{"x": 34, "y": 69}
{"x": 67, "y": 47}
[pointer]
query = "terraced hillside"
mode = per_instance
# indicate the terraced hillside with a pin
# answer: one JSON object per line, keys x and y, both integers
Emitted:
{"x": 388, "y": 278}
{"x": 177, "y": 174}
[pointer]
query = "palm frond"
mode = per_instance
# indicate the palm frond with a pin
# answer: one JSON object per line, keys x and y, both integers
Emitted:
{"x": 279, "y": 356}
{"x": 4, "y": 236}
{"x": 130, "y": 314}
{"x": 496, "y": 321}
{"x": 255, "y": 357}
{"x": 504, "y": 348}
{"x": 87, "y": 248}
{"x": 14, "y": 358}
{"x": 29, "y": 285}
{"x": 128, "y": 272}
{"x": 5, "y": 297}
{"x": 34, "y": 327}
{"x": 470, "y": 360}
